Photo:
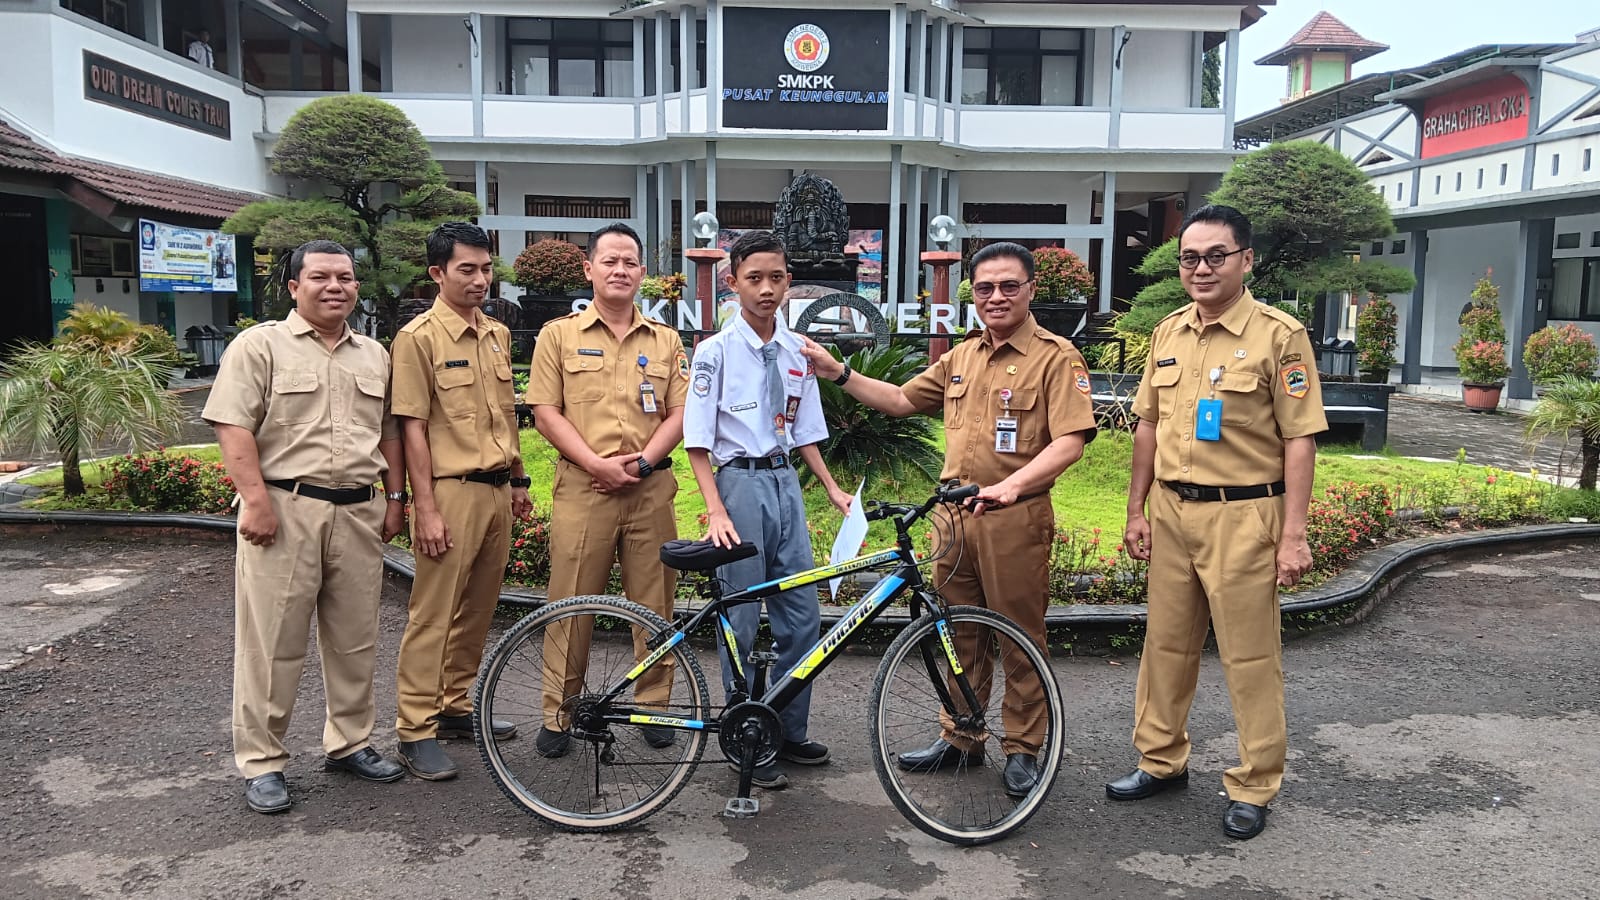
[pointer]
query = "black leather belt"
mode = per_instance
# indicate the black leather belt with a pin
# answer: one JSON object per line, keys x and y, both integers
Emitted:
{"x": 1206, "y": 493}
{"x": 775, "y": 461}
{"x": 665, "y": 464}
{"x": 496, "y": 478}
{"x": 336, "y": 496}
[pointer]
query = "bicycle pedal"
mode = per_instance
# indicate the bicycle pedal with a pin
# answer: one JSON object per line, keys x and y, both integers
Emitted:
{"x": 741, "y": 808}
{"x": 762, "y": 656}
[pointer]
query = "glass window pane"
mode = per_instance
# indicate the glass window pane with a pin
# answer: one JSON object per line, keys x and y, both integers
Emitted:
{"x": 975, "y": 38}
{"x": 529, "y": 29}
{"x": 1567, "y": 299}
{"x": 619, "y": 72}
{"x": 530, "y": 70}
{"x": 619, "y": 30}
{"x": 1591, "y": 304}
{"x": 577, "y": 30}
{"x": 1060, "y": 81}
{"x": 576, "y": 77}
{"x": 1016, "y": 38}
{"x": 1016, "y": 79}
{"x": 974, "y": 80}
{"x": 1061, "y": 39}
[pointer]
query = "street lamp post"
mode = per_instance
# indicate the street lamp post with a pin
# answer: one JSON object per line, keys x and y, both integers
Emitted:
{"x": 941, "y": 231}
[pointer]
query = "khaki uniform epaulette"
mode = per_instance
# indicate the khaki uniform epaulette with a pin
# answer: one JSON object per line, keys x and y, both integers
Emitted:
{"x": 1175, "y": 313}
{"x": 1045, "y": 334}
{"x": 1282, "y": 317}
{"x": 416, "y": 323}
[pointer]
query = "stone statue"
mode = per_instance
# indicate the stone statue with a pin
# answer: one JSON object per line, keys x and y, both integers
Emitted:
{"x": 812, "y": 221}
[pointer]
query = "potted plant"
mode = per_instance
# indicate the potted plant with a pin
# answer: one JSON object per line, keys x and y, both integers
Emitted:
{"x": 1481, "y": 349}
{"x": 1376, "y": 325}
{"x": 550, "y": 268}
{"x": 1553, "y": 353}
{"x": 663, "y": 287}
{"x": 1062, "y": 286}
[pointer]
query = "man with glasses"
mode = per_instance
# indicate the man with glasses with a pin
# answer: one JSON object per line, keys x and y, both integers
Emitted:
{"x": 1228, "y": 412}
{"x": 1017, "y": 413}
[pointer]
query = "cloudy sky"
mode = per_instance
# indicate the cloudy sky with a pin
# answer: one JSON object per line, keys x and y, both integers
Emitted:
{"x": 1417, "y": 31}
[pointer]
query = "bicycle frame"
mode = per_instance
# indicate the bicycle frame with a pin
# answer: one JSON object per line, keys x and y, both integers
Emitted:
{"x": 905, "y": 576}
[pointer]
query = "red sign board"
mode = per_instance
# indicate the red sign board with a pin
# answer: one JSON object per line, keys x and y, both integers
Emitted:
{"x": 1483, "y": 114}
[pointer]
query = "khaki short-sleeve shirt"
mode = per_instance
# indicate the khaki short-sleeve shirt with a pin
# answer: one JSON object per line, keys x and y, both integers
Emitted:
{"x": 317, "y": 414}
{"x": 580, "y": 367}
{"x": 456, "y": 374}
{"x": 1049, "y": 398}
{"x": 1267, "y": 382}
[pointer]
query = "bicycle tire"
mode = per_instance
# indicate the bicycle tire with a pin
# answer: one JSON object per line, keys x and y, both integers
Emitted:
{"x": 580, "y": 790}
{"x": 969, "y": 805}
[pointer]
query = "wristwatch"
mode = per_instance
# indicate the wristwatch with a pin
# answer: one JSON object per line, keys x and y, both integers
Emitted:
{"x": 521, "y": 482}
{"x": 397, "y": 496}
{"x": 644, "y": 467}
{"x": 843, "y": 376}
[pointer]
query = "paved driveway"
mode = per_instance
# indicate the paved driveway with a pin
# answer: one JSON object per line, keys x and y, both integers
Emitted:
{"x": 1444, "y": 748}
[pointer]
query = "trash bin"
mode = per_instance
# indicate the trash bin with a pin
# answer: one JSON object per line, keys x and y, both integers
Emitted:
{"x": 1336, "y": 357}
{"x": 205, "y": 343}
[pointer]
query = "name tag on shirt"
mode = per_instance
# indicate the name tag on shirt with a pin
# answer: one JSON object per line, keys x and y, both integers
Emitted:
{"x": 741, "y": 407}
{"x": 456, "y": 364}
{"x": 590, "y": 351}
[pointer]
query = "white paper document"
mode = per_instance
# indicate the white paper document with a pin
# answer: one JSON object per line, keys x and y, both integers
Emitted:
{"x": 852, "y": 534}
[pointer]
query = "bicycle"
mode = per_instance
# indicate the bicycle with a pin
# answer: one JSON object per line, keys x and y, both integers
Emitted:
{"x": 618, "y": 757}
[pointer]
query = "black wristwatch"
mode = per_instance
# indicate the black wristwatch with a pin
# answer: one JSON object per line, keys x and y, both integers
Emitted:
{"x": 397, "y": 496}
{"x": 521, "y": 482}
{"x": 644, "y": 467}
{"x": 844, "y": 376}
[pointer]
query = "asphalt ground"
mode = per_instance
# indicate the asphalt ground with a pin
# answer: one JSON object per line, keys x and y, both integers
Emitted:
{"x": 1442, "y": 748}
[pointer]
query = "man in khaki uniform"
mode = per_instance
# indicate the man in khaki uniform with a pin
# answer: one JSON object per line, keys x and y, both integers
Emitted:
{"x": 1017, "y": 413}
{"x": 608, "y": 387}
{"x": 302, "y": 415}
{"x": 452, "y": 392}
{"x": 1228, "y": 409}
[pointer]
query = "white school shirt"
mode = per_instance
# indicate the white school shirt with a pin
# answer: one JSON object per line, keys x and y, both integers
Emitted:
{"x": 725, "y": 413}
{"x": 200, "y": 52}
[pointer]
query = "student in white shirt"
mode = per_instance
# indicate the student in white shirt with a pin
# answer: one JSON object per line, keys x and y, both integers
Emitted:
{"x": 752, "y": 399}
{"x": 200, "y": 50}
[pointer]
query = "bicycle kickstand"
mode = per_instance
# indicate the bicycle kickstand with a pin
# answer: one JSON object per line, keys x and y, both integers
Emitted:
{"x": 745, "y": 806}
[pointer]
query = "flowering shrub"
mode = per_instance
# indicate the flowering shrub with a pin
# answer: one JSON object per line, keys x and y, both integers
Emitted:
{"x": 1061, "y": 275}
{"x": 1084, "y": 570}
{"x": 1376, "y": 327}
{"x": 1484, "y": 362}
{"x": 550, "y": 267}
{"x": 167, "y": 481}
{"x": 663, "y": 287}
{"x": 1552, "y": 353}
{"x": 1347, "y": 519}
{"x": 530, "y": 549}
{"x": 1481, "y": 349}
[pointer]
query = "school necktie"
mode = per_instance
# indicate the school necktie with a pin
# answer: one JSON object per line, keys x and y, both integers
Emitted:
{"x": 769, "y": 352}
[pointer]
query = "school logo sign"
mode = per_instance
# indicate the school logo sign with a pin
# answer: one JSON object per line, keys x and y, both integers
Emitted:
{"x": 806, "y": 48}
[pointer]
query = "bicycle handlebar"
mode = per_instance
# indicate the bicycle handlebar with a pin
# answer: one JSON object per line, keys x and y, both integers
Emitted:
{"x": 950, "y": 492}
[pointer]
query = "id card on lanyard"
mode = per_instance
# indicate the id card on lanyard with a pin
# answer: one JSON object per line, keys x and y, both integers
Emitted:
{"x": 1005, "y": 425}
{"x": 1208, "y": 416}
{"x": 647, "y": 391}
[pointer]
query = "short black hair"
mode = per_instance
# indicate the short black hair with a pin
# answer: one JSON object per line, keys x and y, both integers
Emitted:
{"x": 621, "y": 228}
{"x": 1005, "y": 250}
{"x": 297, "y": 256}
{"x": 442, "y": 242}
{"x": 1218, "y": 214}
{"x": 752, "y": 242}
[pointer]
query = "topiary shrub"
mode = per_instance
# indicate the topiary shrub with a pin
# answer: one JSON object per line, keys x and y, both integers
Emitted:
{"x": 1553, "y": 353}
{"x": 1059, "y": 274}
{"x": 550, "y": 268}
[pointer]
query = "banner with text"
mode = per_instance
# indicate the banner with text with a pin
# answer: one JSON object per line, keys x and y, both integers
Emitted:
{"x": 187, "y": 260}
{"x": 805, "y": 69}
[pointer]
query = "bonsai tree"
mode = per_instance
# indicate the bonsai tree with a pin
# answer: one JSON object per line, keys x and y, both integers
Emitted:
{"x": 1376, "y": 327}
{"x": 1059, "y": 274}
{"x": 1552, "y": 353}
{"x": 1569, "y": 405}
{"x": 383, "y": 194}
{"x": 550, "y": 268}
{"x": 1481, "y": 349}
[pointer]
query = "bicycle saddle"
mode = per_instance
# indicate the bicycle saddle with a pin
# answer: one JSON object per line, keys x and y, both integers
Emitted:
{"x": 702, "y": 556}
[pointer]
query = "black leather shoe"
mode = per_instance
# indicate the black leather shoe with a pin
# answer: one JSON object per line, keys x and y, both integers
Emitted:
{"x": 551, "y": 744}
{"x": 939, "y": 755}
{"x": 460, "y": 728}
{"x": 267, "y": 793}
{"x": 1243, "y": 821}
{"x": 1139, "y": 784}
{"x": 427, "y": 760}
{"x": 367, "y": 763}
{"x": 1021, "y": 774}
{"x": 657, "y": 736}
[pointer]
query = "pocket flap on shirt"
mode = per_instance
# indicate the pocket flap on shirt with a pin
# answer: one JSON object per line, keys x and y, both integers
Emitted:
{"x": 1166, "y": 376}
{"x": 1024, "y": 398}
{"x": 372, "y": 387}
{"x": 577, "y": 363}
{"x": 294, "y": 382}
{"x": 956, "y": 391}
{"x": 454, "y": 378}
{"x": 1243, "y": 382}
{"x": 657, "y": 370}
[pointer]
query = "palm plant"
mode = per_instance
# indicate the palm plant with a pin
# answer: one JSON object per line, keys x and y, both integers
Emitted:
{"x": 81, "y": 390}
{"x": 864, "y": 443}
{"x": 1571, "y": 405}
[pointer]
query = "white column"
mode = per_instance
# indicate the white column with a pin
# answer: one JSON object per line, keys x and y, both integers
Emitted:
{"x": 1118, "y": 35}
{"x": 475, "y": 55}
{"x": 352, "y": 50}
{"x": 1230, "y": 85}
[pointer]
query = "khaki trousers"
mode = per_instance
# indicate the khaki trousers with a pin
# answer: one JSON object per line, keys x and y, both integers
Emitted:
{"x": 1001, "y": 561}
{"x": 1214, "y": 561}
{"x": 326, "y": 560}
{"x": 588, "y": 532}
{"x": 452, "y": 604}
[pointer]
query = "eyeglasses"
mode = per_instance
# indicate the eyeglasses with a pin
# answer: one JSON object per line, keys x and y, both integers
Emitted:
{"x": 983, "y": 290}
{"x": 1216, "y": 259}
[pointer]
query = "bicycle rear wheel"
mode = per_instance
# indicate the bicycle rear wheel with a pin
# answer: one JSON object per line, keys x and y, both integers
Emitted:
{"x": 602, "y": 777}
{"x": 965, "y": 801}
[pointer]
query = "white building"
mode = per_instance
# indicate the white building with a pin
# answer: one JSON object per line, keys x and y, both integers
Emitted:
{"x": 1079, "y": 124}
{"x": 1487, "y": 161}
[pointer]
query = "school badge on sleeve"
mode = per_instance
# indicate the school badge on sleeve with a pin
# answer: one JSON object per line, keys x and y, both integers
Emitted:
{"x": 1080, "y": 377}
{"x": 683, "y": 365}
{"x": 1296, "y": 381}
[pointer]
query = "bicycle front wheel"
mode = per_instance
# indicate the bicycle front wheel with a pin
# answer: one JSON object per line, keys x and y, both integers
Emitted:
{"x": 962, "y": 797}
{"x": 549, "y": 673}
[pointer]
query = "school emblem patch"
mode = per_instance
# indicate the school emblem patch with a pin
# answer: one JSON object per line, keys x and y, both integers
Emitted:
{"x": 702, "y": 385}
{"x": 1296, "y": 382}
{"x": 1083, "y": 381}
{"x": 683, "y": 365}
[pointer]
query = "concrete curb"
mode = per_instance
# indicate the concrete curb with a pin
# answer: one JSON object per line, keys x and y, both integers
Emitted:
{"x": 1370, "y": 578}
